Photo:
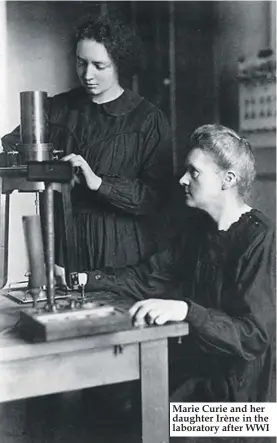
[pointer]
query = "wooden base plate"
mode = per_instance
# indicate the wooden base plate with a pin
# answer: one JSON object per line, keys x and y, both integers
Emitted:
{"x": 93, "y": 318}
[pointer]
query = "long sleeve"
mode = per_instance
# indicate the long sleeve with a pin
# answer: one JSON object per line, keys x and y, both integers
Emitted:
{"x": 249, "y": 330}
{"x": 158, "y": 277}
{"x": 10, "y": 141}
{"x": 145, "y": 193}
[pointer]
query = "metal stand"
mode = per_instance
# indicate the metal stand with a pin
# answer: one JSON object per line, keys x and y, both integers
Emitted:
{"x": 50, "y": 245}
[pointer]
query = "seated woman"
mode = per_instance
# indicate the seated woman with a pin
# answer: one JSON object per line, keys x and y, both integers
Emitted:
{"x": 225, "y": 263}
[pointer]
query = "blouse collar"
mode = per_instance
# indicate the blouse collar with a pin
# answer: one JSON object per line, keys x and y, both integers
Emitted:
{"x": 122, "y": 105}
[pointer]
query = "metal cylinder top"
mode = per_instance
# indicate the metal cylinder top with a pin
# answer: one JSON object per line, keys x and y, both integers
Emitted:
{"x": 33, "y": 117}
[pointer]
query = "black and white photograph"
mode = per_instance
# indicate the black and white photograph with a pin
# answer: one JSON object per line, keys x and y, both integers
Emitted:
{"x": 138, "y": 221}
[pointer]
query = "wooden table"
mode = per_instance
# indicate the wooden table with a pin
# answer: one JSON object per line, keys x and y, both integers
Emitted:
{"x": 29, "y": 370}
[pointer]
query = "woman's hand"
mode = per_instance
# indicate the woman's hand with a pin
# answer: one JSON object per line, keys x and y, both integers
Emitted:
{"x": 92, "y": 180}
{"x": 158, "y": 311}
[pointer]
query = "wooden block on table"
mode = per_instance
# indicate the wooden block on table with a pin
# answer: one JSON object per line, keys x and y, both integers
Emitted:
{"x": 44, "y": 326}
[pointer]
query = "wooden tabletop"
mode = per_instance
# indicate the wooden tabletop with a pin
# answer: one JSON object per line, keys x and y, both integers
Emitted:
{"x": 35, "y": 369}
{"x": 13, "y": 347}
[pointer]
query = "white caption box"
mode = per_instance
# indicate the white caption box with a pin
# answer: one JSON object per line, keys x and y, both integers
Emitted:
{"x": 223, "y": 419}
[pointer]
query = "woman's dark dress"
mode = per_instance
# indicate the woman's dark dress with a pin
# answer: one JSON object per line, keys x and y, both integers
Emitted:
{"x": 228, "y": 281}
{"x": 127, "y": 142}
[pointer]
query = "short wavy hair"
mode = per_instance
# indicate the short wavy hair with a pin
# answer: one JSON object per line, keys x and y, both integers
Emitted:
{"x": 229, "y": 151}
{"x": 120, "y": 40}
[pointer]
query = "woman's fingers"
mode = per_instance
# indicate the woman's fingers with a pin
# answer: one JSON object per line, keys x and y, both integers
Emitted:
{"x": 146, "y": 311}
{"x": 140, "y": 316}
{"x": 81, "y": 167}
{"x": 152, "y": 315}
{"x": 158, "y": 311}
{"x": 133, "y": 310}
{"x": 76, "y": 160}
{"x": 162, "y": 319}
{"x": 145, "y": 304}
{"x": 68, "y": 157}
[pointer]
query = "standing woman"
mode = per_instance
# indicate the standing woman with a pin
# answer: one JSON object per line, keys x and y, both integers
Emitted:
{"x": 120, "y": 145}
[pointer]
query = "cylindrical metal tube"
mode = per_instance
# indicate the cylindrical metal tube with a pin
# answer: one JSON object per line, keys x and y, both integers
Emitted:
{"x": 34, "y": 243}
{"x": 34, "y": 127}
{"x": 50, "y": 245}
{"x": 37, "y": 152}
{"x": 33, "y": 117}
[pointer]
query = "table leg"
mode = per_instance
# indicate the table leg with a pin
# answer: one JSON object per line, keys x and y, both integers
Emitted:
{"x": 4, "y": 235}
{"x": 154, "y": 391}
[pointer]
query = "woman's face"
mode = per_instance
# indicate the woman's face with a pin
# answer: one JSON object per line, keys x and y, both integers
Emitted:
{"x": 202, "y": 181}
{"x": 95, "y": 69}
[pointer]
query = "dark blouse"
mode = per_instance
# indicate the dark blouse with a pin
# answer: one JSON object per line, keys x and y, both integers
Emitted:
{"x": 127, "y": 142}
{"x": 227, "y": 278}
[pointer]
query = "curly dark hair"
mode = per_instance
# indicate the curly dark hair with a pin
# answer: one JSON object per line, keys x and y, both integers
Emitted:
{"x": 120, "y": 40}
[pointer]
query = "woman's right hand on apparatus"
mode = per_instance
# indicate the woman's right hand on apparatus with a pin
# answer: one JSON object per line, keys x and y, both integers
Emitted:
{"x": 79, "y": 163}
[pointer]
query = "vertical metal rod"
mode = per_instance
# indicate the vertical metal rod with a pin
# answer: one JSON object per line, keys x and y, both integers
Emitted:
{"x": 37, "y": 203}
{"x": 4, "y": 235}
{"x": 50, "y": 245}
{"x": 34, "y": 244}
